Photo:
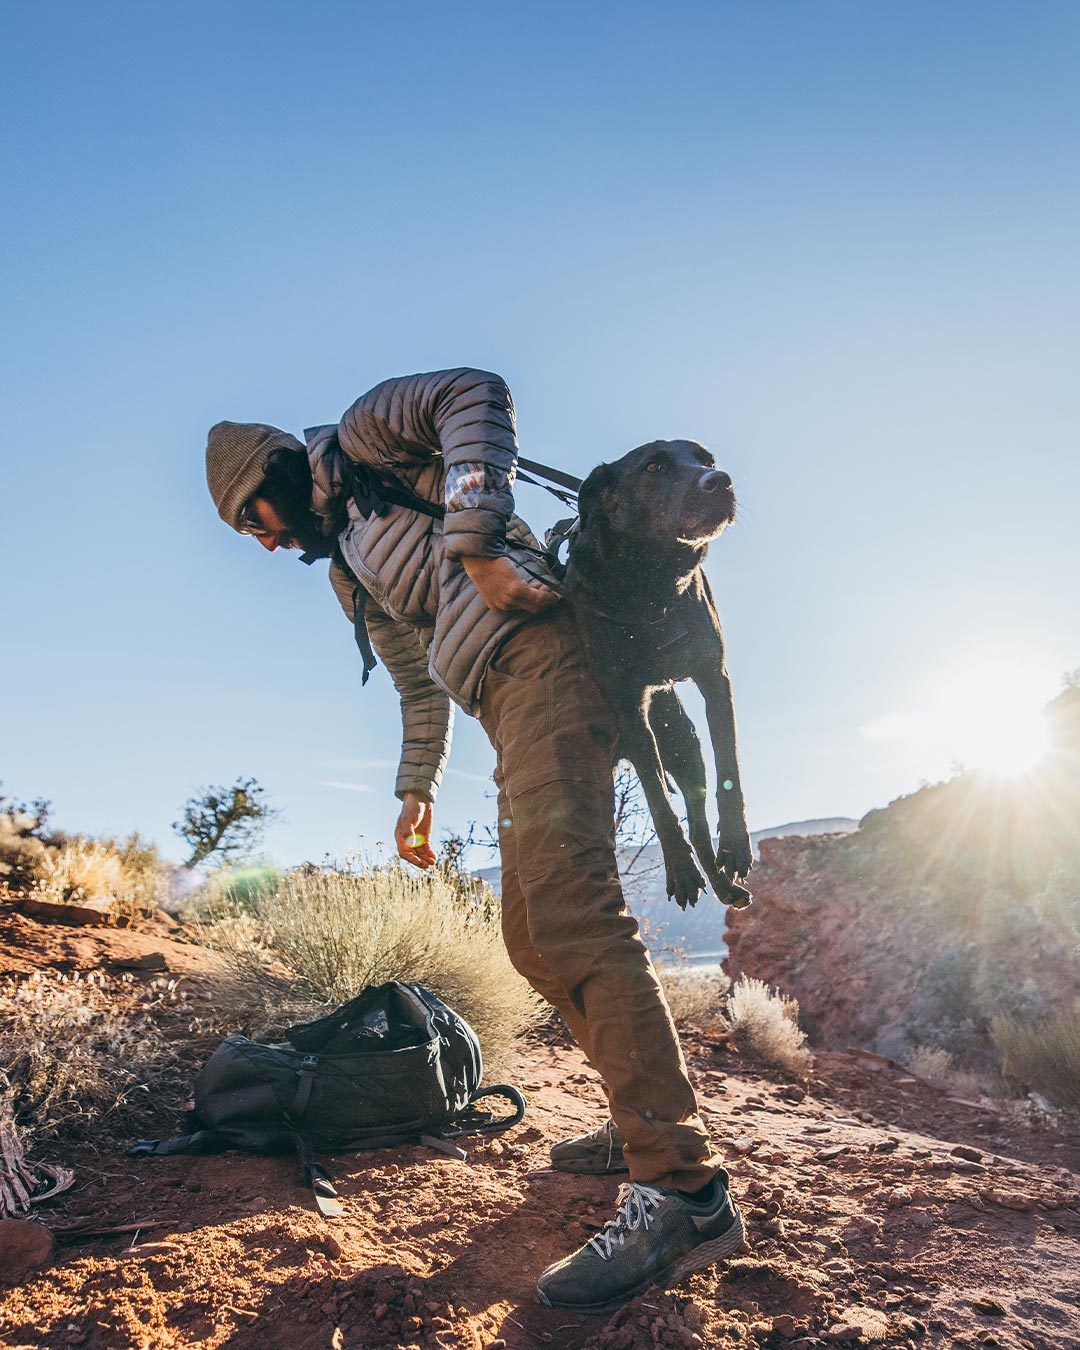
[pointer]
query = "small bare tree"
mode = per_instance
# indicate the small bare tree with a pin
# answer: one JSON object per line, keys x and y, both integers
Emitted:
{"x": 228, "y": 822}
{"x": 634, "y": 829}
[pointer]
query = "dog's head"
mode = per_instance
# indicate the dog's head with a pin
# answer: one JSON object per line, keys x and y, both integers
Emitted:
{"x": 666, "y": 492}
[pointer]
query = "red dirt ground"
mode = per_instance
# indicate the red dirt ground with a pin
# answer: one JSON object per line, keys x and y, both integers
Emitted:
{"x": 865, "y": 1225}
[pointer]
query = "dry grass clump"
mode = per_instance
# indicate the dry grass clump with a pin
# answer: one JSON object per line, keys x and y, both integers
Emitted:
{"x": 21, "y": 851}
{"x": 765, "y": 1023}
{"x": 1043, "y": 1057}
{"x": 80, "y": 1048}
{"x": 937, "y": 1067}
{"x": 70, "y": 868}
{"x": 128, "y": 874}
{"x": 696, "y": 998}
{"x": 319, "y": 938}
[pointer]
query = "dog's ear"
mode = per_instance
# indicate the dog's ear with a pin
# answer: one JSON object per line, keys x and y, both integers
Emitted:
{"x": 593, "y": 489}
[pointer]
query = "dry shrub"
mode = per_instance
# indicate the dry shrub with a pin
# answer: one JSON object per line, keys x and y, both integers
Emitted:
{"x": 21, "y": 851}
{"x": 937, "y": 1067}
{"x": 1043, "y": 1057}
{"x": 128, "y": 874}
{"x": 81, "y": 869}
{"x": 696, "y": 997}
{"x": 320, "y": 937}
{"x": 79, "y": 1048}
{"x": 765, "y": 1023}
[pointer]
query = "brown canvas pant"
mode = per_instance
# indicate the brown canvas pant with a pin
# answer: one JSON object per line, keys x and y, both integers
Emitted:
{"x": 564, "y": 920}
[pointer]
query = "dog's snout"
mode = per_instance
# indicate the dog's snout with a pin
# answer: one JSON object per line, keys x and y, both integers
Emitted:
{"x": 715, "y": 481}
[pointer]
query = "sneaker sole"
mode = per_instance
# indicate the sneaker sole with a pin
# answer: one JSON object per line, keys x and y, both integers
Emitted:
{"x": 698, "y": 1258}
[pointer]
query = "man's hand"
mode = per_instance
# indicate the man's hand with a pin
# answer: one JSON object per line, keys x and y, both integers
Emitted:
{"x": 412, "y": 834}
{"x": 498, "y": 582}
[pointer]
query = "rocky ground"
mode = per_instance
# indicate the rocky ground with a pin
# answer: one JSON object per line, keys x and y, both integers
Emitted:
{"x": 879, "y": 1211}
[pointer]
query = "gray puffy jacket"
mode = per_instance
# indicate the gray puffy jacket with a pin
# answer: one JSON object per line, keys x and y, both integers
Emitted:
{"x": 450, "y": 436}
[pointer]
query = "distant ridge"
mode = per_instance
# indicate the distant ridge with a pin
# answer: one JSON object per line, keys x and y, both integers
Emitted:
{"x": 697, "y": 932}
{"x": 826, "y": 825}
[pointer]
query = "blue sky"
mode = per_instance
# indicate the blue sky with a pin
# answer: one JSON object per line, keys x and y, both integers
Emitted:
{"x": 834, "y": 241}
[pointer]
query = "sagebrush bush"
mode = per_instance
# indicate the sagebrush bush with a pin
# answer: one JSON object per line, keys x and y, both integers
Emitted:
{"x": 765, "y": 1023}
{"x": 319, "y": 938}
{"x": 1042, "y": 1056}
{"x": 938, "y": 1067}
{"x": 79, "y": 1048}
{"x": 21, "y": 850}
{"x": 129, "y": 873}
{"x": 696, "y": 997}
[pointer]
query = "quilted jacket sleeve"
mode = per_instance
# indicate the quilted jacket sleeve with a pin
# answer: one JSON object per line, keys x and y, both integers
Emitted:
{"x": 427, "y": 714}
{"x": 467, "y": 417}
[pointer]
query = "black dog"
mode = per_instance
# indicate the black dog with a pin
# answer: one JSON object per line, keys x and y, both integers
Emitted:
{"x": 647, "y": 617}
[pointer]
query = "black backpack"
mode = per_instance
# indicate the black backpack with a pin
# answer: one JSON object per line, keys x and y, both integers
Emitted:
{"x": 394, "y": 1065}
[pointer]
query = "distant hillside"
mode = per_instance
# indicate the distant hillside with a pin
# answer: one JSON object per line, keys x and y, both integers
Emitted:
{"x": 697, "y": 932}
{"x": 951, "y": 905}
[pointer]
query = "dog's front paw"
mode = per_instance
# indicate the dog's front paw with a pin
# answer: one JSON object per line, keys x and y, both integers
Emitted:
{"x": 735, "y": 853}
{"x": 684, "y": 880}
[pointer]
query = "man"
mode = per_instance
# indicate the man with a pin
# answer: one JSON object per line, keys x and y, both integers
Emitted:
{"x": 461, "y": 609}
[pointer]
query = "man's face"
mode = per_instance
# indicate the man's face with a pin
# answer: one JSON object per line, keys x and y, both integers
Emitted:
{"x": 265, "y": 524}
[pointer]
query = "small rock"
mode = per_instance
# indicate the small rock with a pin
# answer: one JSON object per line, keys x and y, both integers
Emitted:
{"x": 901, "y": 1196}
{"x": 148, "y": 961}
{"x": 965, "y": 1151}
{"x": 745, "y": 1144}
{"x": 989, "y": 1307}
{"x": 828, "y": 1154}
{"x": 784, "y": 1325}
{"x": 843, "y": 1331}
{"x": 837, "y": 1266}
{"x": 1017, "y": 1200}
{"x": 331, "y": 1246}
{"x": 25, "y": 1245}
{"x": 84, "y": 913}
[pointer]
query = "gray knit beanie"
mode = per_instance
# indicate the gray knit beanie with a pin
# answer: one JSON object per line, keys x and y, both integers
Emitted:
{"x": 236, "y": 455}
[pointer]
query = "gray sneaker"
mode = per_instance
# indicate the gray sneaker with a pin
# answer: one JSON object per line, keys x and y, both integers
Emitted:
{"x": 597, "y": 1153}
{"x": 656, "y": 1237}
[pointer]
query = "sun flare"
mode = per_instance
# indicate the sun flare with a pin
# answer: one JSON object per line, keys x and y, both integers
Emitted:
{"x": 989, "y": 718}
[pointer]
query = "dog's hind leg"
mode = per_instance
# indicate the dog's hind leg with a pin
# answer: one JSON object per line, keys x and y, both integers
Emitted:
{"x": 680, "y": 751}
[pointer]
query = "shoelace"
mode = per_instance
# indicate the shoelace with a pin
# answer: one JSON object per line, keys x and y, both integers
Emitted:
{"x": 635, "y": 1205}
{"x": 609, "y": 1133}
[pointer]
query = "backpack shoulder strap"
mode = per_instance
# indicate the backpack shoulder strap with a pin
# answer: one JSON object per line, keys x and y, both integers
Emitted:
{"x": 473, "y": 1121}
{"x": 200, "y": 1141}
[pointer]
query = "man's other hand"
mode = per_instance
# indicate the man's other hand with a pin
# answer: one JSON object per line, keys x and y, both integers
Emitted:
{"x": 503, "y": 590}
{"x": 412, "y": 834}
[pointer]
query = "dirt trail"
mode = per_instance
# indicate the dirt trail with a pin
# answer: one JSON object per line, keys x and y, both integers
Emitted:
{"x": 865, "y": 1226}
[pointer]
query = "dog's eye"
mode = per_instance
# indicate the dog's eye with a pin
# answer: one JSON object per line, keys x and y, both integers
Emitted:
{"x": 654, "y": 467}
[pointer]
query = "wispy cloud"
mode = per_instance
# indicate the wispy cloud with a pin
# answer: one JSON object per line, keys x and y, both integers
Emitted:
{"x": 359, "y": 764}
{"x": 346, "y": 787}
{"x": 471, "y": 777}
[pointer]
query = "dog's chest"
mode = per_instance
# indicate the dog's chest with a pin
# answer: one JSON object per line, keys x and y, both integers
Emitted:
{"x": 644, "y": 653}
